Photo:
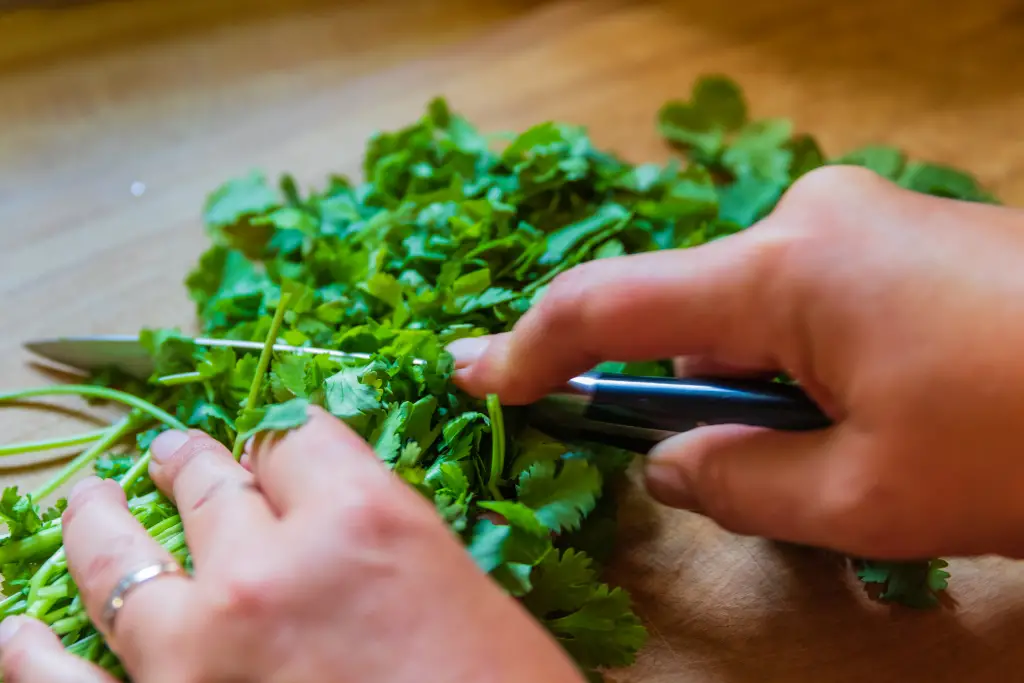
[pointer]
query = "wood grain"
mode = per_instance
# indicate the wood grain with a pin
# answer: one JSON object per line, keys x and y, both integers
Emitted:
{"x": 180, "y": 96}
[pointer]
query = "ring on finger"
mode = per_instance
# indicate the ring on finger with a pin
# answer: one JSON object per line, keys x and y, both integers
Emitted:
{"x": 132, "y": 581}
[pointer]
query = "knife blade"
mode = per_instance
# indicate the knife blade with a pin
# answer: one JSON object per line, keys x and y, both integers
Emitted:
{"x": 126, "y": 353}
{"x": 635, "y": 413}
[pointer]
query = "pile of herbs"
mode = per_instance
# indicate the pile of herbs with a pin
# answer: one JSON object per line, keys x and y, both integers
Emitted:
{"x": 451, "y": 234}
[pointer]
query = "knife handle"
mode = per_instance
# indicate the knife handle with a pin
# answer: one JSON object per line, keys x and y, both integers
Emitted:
{"x": 638, "y": 412}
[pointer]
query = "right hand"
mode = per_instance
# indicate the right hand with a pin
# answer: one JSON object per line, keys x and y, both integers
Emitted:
{"x": 900, "y": 313}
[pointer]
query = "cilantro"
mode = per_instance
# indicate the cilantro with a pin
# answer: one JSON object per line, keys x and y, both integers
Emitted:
{"x": 592, "y": 621}
{"x": 448, "y": 235}
{"x": 21, "y": 515}
{"x": 562, "y": 500}
{"x": 279, "y": 417}
{"x": 915, "y": 584}
{"x": 112, "y": 466}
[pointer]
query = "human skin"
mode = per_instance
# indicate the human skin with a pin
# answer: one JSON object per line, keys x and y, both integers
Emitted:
{"x": 314, "y": 562}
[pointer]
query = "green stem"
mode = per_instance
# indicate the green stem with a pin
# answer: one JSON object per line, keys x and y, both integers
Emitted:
{"x": 180, "y": 378}
{"x": 85, "y": 646}
{"x": 168, "y": 535}
{"x": 163, "y": 525}
{"x": 100, "y": 393}
{"x": 10, "y": 604}
{"x": 43, "y": 542}
{"x": 135, "y": 471}
{"x": 112, "y": 435}
{"x": 140, "y": 501}
{"x": 39, "y": 581}
{"x": 70, "y": 624}
{"x": 54, "y": 591}
{"x": 261, "y": 367}
{"x": 51, "y": 444}
{"x": 497, "y": 445}
{"x": 57, "y": 614}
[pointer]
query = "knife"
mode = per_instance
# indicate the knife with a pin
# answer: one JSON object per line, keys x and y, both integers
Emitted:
{"x": 635, "y": 413}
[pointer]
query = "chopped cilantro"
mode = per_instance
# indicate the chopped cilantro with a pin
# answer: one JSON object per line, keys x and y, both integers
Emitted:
{"x": 447, "y": 236}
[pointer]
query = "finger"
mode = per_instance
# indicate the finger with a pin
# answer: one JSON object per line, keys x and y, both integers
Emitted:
{"x": 104, "y": 544}
{"x": 31, "y": 653}
{"x": 217, "y": 498}
{"x": 315, "y": 463}
{"x": 707, "y": 366}
{"x": 710, "y": 300}
{"x": 753, "y": 481}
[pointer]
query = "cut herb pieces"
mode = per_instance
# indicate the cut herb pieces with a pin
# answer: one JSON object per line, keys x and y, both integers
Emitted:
{"x": 449, "y": 235}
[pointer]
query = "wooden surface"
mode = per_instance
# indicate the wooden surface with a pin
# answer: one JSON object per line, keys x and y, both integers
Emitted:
{"x": 179, "y": 96}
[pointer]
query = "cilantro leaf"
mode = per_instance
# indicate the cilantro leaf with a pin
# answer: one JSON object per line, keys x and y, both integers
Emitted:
{"x": 593, "y": 622}
{"x": 278, "y": 417}
{"x": 560, "y": 499}
{"x": 19, "y": 513}
{"x": 347, "y": 396}
{"x": 914, "y": 584}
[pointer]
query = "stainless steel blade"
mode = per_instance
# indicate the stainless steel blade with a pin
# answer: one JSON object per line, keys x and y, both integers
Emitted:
{"x": 125, "y": 352}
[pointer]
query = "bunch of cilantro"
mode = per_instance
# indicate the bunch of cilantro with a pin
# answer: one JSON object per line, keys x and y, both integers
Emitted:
{"x": 451, "y": 234}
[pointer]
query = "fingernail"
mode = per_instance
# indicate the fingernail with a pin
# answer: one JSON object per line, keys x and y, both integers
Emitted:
{"x": 468, "y": 350}
{"x": 167, "y": 444}
{"x": 9, "y": 627}
{"x": 668, "y": 484}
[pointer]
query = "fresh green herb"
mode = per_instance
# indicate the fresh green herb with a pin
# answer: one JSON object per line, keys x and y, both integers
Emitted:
{"x": 915, "y": 584}
{"x": 448, "y": 236}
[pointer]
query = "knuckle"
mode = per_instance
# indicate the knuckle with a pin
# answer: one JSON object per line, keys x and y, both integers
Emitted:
{"x": 832, "y": 186}
{"x": 864, "y": 512}
{"x": 197, "y": 447}
{"x": 99, "y": 573}
{"x": 96, "y": 491}
{"x": 247, "y": 595}
{"x": 563, "y": 304}
{"x": 212, "y": 489}
{"x": 378, "y": 521}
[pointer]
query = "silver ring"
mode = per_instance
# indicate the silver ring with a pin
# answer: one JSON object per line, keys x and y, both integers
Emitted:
{"x": 133, "y": 580}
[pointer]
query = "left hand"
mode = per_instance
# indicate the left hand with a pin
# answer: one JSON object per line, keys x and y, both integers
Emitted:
{"x": 318, "y": 564}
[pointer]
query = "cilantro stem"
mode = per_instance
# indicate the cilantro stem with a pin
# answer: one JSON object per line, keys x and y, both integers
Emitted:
{"x": 112, "y": 435}
{"x": 86, "y": 647}
{"x": 129, "y": 478}
{"x": 51, "y": 444}
{"x": 35, "y": 605}
{"x": 497, "y": 445}
{"x": 44, "y": 541}
{"x": 163, "y": 525}
{"x": 96, "y": 392}
{"x": 180, "y": 378}
{"x": 70, "y": 624}
{"x": 261, "y": 367}
{"x": 9, "y": 605}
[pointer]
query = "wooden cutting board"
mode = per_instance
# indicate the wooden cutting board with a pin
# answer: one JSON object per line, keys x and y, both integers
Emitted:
{"x": 172, "y": 98}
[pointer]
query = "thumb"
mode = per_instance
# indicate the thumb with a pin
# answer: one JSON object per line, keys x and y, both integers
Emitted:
{"x": 752, "y": 481}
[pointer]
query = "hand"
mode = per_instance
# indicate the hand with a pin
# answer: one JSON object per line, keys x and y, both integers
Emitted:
{"x": 901, "y": 314}
{"x": 317, "y": 565}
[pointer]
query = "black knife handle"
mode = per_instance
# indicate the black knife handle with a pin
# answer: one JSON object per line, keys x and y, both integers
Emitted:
{"x": 678, "y": 404}
{"x": 636, "y": 413}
